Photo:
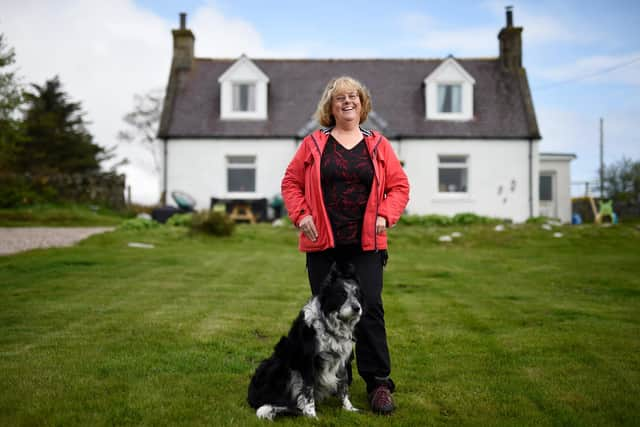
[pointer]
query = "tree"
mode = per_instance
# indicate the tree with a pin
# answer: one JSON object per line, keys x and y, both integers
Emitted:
{"x": 622, "y": 180}
{"x": 10, "y": 101}
{"x": 142, "y": 125}
{"x": 57, "y": 140}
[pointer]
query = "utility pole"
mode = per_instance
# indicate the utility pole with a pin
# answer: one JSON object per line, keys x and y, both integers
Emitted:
{"x": 601, "y": 159}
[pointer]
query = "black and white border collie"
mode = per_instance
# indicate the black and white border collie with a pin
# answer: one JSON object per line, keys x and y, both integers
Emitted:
{"x": 310, "y": 363}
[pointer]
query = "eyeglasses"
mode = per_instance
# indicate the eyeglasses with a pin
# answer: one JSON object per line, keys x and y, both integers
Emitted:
{"x": 350, "y": 96}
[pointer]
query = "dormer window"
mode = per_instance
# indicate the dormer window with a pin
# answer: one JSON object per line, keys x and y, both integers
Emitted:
{"x": 244, "y": 97}
{"x": 449, "y": 98}
{"x": 243, "y": 91}
{"x": 449, "y": 92}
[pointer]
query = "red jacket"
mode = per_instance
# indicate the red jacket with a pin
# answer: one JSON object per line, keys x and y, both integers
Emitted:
{"x": 302, "y": 192}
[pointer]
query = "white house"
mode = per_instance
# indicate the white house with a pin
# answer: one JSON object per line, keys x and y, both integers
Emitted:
{"x": 465, "y": 129}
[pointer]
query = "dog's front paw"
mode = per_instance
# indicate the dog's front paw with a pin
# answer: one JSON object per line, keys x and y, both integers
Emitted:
{"x": 346, "y": 404}
{"x": 310, "y": 414}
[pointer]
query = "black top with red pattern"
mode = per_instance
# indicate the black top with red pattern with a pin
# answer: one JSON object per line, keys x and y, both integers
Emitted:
{"x": 346, "y": 179}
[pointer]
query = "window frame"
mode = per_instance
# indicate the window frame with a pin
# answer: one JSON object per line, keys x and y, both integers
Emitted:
{"x": 252, "y": 88}
{"x": 248, "y": 165}
{"x": 453, "y": 164}
{"x": 459, "y": 93}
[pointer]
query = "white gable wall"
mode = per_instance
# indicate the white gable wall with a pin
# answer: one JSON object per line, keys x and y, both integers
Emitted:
{"x": 199, "y": 166}
{"x": 492, "y": 164}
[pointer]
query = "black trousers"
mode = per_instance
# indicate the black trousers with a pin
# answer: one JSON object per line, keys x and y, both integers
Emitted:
{"x": 372, "y": 352}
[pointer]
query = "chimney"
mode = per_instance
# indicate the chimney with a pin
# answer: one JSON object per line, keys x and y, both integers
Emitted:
{"x": 183, "y": 41}
{"x": 510, "y": 44}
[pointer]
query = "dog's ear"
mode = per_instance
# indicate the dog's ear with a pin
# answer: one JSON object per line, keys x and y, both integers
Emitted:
{"x": 334, "y": 271}
{"x": 346, "y": 269}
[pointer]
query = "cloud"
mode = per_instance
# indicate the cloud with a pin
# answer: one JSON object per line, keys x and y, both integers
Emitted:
{"x": 439, "y": 37}
{"x": 107, "y": 51}
{"x": 541, "y": 29}
{"x": 623, "y": 69}
{"x": 436, "y": 39}
{"x": 566, "y": 131}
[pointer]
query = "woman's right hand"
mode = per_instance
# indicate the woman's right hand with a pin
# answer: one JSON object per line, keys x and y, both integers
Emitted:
{"x": 307, "y": 226}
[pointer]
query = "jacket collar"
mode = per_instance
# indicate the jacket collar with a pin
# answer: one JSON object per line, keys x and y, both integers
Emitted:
{"x": 321, "y": 136}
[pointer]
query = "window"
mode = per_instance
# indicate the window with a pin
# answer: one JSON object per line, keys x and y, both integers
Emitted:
{"x": 452, "y": 174}
{"x": 241, "y": 174}
{"x": 546, "y": 188}
{"x": 244, "y": 97}
{"x": 449, "y": 98}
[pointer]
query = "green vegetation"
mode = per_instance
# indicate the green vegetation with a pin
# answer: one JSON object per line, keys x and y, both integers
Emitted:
{"x": 466, "y": 218}
{"x": 509, "y": 328}
{"x": 59, "y": 215}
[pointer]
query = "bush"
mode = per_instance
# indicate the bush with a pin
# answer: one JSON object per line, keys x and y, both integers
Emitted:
{"x": 180, "y": 220}
{"x": 466, "y": 218}
{"x": 214, "y": 223}
{"x": 471, "y": 218}
{"x": 538, "y": 220}
{"x": 138, "y": 224}
{"x": 427, "y": 220}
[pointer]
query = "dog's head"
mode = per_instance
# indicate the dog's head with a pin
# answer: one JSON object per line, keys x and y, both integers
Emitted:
{"x": 340, "y": 294}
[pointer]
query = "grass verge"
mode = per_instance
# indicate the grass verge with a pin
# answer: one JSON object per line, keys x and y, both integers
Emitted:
{"x": 60, "y": 216}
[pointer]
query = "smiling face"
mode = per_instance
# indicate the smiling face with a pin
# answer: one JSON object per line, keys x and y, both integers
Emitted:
{"x": 346, "y": 106}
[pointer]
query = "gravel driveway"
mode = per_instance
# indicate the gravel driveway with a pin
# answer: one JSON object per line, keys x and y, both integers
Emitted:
{"x": 19, "y": 239}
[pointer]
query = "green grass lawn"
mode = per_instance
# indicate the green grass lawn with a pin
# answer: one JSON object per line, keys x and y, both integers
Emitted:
{"x": 71, "y": 215}
{"x": 513, "y": 328}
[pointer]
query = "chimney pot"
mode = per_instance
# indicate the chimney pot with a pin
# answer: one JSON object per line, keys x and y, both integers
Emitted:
{"x": 183, "y": 41}
{"x": 509, "y": 16}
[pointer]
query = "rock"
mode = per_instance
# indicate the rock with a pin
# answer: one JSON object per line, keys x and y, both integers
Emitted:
{"x": 456, "y": 234}
{"x": 546, "y": 227}
{"x": 141, "y": 245}
{"x": 445, "y": 239}
{"x": 499, "y": 227}
{"x": 558, "y": 235}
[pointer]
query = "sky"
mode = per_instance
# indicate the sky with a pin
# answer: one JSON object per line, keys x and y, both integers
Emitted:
{"x": 582, "y": 57}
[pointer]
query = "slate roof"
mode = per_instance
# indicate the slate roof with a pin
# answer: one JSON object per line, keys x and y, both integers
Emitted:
{"x": 502, "y": 103}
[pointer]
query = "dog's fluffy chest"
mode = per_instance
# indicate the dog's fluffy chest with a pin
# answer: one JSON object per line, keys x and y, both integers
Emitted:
{"x": 334, "y": 345}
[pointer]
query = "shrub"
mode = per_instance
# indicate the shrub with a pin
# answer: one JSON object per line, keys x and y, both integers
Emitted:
{"x": 180, "y": 220}
{"x": 466, "y": 218}
{"x": 214, "y": 223}
{"x": 138, "y": 224}
{"x": 470, "y": 218}
{"x": 538, "y": 220}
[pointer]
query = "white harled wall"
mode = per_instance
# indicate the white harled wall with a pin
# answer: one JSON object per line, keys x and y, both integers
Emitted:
{"x": 492, "y": 167}
{"x": 198, "y": 167}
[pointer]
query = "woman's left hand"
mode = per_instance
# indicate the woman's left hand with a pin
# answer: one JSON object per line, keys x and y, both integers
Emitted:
{"x": 381, "y": 224}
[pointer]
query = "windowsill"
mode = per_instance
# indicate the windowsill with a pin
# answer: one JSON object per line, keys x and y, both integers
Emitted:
{"x": 454, "y": 117}
{"x": 243, "y": 116}
{"x": 452, "y": 197}
{"x": 248, "y": 195}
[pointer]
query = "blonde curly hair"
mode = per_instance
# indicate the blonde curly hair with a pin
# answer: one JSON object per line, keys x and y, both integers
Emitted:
{"x": 339, "y": 85}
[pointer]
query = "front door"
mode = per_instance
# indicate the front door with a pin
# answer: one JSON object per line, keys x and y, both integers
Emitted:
{"x": 548, "y": 199}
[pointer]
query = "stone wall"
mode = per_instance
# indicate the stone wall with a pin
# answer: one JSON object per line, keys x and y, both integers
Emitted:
{"x": 105, "y": 189}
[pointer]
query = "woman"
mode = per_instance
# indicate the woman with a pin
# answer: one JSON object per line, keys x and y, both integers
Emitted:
{"x": 343, "y": 189}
